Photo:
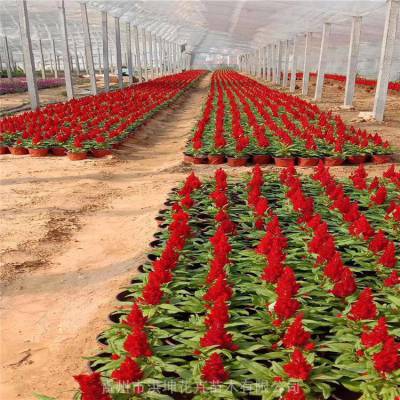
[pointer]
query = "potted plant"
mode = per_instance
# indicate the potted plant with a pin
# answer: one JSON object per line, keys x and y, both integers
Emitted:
{"x": 16, "y": 146}
{"x": 355, "y": 154}
{"x": 283, "y": 155}
{"x": 36, "y": 145}
{"x": 216, "y": 156}
{"x": 333, "y": 155}
{"x": 99, "y": 147}
{"x": 238, "y": 153}
{"x": 381, "y": 154}
{"x": 76, "y": 148}
{"x": 6, "y": 140}
{"x": 308, "y": 153}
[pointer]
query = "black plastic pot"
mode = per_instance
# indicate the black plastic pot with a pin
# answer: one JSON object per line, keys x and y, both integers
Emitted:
{"x": 156, "y": 243}
{"x": 102, "y": 340}
{"x": 152, "y": 257}
{"x": 126, "y": 295}
{"x": 104, "y": 355}
{"x": 116, "y": 316}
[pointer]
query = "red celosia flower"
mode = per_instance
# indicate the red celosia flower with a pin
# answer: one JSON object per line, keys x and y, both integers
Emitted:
{"x": 378, "y": 335}
{"x": 152, "y": 293}
{"x": 219, "y": 313}
{"x": 298, "y": 366}
{"x": 287, "y": 285}
{"x": 380, "y": 196}
{"x": 92, "y": 387}
{"x": 221, "y": 179}
{"x": 135, "y": 318}
{"x": 334, "y": 268}
{"x": 346, "y": 285}
{"x": 214, "y": 371}
{"x": 220, "y": 289}
{"x": 295, "y": 393}
{"x": 129, "y": 371}
{"x": 285, "y": 307}
{"x": 379, "y": 242}
{"x": 261, "y": 206}
{"x": 388, "y": 359}
{"x": 364, "y": 307}
{"x": 136, "y": 344}
{"x": 295, "y": 335}
{"x": 219, "y": 198}
{"x": 388, "y": 258}
{"x": 187, "y": 201}
{"x": 392, "y": 280}
{"x": 217, "y": 335}
{"x": 361, "y": 227}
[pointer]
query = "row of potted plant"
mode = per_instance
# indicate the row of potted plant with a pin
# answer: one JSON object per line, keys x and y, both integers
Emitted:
{"x": 263, "y": 287}
{"x": 94, "y": 124}
{"x": 395, "y": 86}
{"x": 16, "y": 85}
{"x": 244, "y": 120}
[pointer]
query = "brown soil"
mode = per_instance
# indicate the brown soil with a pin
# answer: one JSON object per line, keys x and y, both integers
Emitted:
{"x": 73, "y": 234}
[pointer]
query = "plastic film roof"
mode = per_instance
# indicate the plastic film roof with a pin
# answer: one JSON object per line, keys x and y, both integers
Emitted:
{"x": 216, "y": 32}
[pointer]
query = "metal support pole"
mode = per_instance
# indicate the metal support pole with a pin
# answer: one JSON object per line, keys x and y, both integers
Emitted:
{"x": 99, "y": 58}
{"x": 279, "y": 63}
{"x": 42, "y": 64}
{"x": 162, "y": 59}
{"x": 274, "y": 50}
{"x": 78, "y": 68}
{"x": 88, "y": 48}
{"x": 67, "y": 66}
{"x": 385, "y": 63}
{"x": 53, "y": 44}
{"x": 151, "y": 61}
{"x": 118, "y": 51}
{"x": 286, "y": 64}
{"x": 137, "y": 51}
{"x": 8, "y": 58}
{"x": 145, "y": 62}
{"x": 269, "y": 58}
{"x": 323, "y": 55}
{"x": 29, "y": 61}
{"x": 352, "y": 61}
{"x": 293, "y": 69}
{"x": 306, "y": 68}
{"x": 129, "y": 52}
{"x": 156, "y": 58}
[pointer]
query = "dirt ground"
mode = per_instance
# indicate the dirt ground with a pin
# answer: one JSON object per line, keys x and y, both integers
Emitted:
{"x": 73, "y": 234}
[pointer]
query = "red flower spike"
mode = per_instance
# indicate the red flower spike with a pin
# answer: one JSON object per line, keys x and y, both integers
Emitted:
{"x": 388, "y": 258}
{"x": 135, "y": 318}
{"x": 379, "y": 242}
{"x": 298, "y": 366}
{"x": 388, "y": 359}
{"x": 380, "y": 196}
{"x": 286, "y": 307}
{"x": 128, "y": 372}
{"x": 392, "y": 280}
{"x": 220, "y": 289}
{"x": 364, "y": 307}
{"x": 294, "y": 393}
{"x": 136, "y": 344}
{"x": 295, "y": 335}
{"x": 214, "y": 371}
{"x": 346, "y": 285}
{"x": 92, "y": 387}
{"x": 378, "y": 335}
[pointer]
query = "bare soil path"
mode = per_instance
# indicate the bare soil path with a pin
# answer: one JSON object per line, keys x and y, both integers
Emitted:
{"x": 72, "y": 234}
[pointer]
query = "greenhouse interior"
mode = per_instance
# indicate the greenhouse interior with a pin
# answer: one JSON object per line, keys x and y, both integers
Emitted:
{"x": 200, "y": 199}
